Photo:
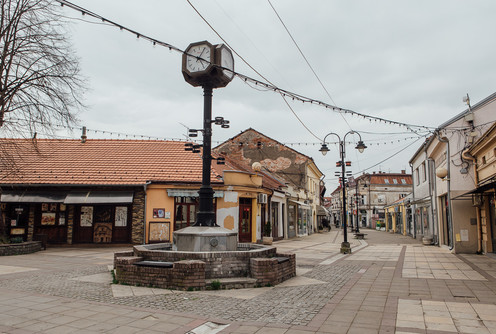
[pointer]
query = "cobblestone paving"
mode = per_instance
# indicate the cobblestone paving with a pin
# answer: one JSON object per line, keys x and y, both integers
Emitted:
{"x": 295, "y": 305}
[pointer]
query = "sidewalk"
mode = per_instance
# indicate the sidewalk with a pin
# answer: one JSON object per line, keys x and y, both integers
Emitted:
{"x": 389, "y": 284}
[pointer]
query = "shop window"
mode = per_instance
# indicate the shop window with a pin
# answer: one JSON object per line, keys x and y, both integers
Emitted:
{"x": 185, "y": 209}
{"x": 52, "y": 214}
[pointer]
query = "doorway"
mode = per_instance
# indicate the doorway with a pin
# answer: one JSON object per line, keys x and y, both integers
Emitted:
{"x": 245, "y": 214}
{"x": 445, "y": 221}
{"x": 492, "y": 217}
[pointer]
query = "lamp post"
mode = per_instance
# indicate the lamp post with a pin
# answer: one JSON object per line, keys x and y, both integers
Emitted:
{"x": 345, "y": 245}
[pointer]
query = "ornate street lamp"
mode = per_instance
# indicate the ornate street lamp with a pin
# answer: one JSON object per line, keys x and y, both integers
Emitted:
{"x": 345, "y": 245}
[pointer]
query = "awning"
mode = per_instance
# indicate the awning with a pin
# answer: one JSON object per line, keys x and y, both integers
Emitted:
{"x": 479, "y": 190}
{"x": 189, "y": 193}
{"x": 321, "y": 211}
{"x": 99, "y": 197}
{"x": 32, "y": 196}
{"x": 302, "y": 204}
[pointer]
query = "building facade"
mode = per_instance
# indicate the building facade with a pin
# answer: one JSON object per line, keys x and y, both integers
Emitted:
{"x": 120, "y": 191}
{"x": 296, "y": 171}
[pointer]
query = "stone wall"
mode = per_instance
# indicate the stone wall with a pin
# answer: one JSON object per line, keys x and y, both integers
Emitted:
{"x": 21, "y": 248}
{"x": 138, "y": 218}
{"x": 70, "y": 223}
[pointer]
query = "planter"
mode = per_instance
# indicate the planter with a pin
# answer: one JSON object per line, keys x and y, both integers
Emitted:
{"x": 27, "y": 247}
{"x": 427, "y": 241}
{"x": 267, "y": 240}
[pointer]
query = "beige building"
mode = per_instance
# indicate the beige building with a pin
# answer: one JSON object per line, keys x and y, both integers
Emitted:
{"x": 450, "y": 175}
{"x": 483, "y": 197}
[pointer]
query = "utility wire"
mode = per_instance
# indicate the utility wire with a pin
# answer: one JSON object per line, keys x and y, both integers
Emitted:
{"x": 249, "y": 65}
{"x": 267, "y": 85}
{"x": 306, "y": 60}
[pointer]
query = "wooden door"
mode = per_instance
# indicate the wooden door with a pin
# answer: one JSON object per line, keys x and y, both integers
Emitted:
{"x": 50, "y": 220}
{"x": 244, "y": 229}
{"x": 83, "y": 225}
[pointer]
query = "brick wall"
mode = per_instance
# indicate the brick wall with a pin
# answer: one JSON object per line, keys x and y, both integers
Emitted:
{"x": 217, "y": 264}
{"x": 184, "y": 275}
{"x": 268, "y": 271}
{"x": 192, "y": 274}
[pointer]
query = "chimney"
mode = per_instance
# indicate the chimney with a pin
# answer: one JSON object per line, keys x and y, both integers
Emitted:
{"x": 83, "y": 136}
{"x": 403, "y": 171}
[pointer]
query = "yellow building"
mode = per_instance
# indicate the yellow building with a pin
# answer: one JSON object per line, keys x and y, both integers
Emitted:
{"x": 398, "y": 216}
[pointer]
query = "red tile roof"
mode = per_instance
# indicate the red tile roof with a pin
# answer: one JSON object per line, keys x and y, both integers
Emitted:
{"x": 389, "y": 179}
{"x": 99, "y": 162}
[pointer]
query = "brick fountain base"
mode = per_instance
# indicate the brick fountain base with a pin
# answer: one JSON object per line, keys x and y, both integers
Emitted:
{"x": 158, "y": 265}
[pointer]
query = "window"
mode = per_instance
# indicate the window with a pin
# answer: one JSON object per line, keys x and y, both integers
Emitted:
{"x": 424, "y": 174}
{"x": 185, "y": 211}
{"x": 417, "y": 178}
{"x": 403, "y": 181}
{"x": 483, "y": 159}
{"x": 395, "y": 181}
{"x": 386, "y": 181}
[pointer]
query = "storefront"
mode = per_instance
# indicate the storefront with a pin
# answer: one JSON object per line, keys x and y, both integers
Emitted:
{"x": 63, "y": 217}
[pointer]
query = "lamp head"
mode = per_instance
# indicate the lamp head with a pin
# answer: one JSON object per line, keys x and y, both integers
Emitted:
{"x": 361, "y": 146}
{"x": 324, "y": 149}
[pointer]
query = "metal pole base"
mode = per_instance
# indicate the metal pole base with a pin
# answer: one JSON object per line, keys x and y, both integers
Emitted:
{"x": 345, "y": 248}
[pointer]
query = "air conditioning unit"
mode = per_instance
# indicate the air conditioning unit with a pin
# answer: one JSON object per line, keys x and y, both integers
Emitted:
{"x": 262, "y": 198}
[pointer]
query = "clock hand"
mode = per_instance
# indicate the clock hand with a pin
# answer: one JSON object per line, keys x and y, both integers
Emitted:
{"x": 198, "y": 59}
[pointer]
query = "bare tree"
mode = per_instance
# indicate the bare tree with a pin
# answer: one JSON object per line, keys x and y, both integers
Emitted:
{"x": 40, "y": 81}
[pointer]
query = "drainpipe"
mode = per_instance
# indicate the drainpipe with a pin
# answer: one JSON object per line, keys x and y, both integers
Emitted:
{"x": 448, "y": 180}
{"x": 432, "y": 185}
{"x": 144, "y": 213}
{"x": 414, "y": 234}
{"x": 468, "y": 156}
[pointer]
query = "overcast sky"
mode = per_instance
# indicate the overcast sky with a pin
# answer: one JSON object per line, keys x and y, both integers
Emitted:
{"x": 409, "y": 61}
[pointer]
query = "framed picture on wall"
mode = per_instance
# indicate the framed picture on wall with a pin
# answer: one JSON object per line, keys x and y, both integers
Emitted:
{"x": 121, "y": 216}
{"x": 159, "y": 232}
{"x": 86, "y": 216}
{"x": 158, "y": 213}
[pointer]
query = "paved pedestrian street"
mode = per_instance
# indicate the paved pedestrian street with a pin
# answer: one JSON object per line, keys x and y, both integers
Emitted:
{"x": 389, "y": 284}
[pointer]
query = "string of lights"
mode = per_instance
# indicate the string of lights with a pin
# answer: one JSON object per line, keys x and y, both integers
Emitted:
{"x": 418, "y": 129}
{"x": 122, "y": 135}
{"x": 380, "y": 162}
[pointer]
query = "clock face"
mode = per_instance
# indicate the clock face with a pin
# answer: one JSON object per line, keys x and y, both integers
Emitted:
{"x": 199, "y": 58}
{"x": 227, "y": 61}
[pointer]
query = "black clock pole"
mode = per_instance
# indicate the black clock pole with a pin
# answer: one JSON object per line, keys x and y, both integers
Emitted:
{"x": 206, "y": 214}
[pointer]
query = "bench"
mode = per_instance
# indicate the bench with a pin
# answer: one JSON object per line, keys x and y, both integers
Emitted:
{"x": 155, "y": 264}
{"x": 281, "y": 259}
{"x": 360, "y": 235}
